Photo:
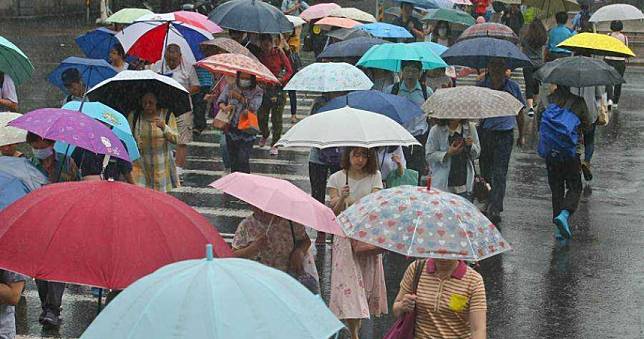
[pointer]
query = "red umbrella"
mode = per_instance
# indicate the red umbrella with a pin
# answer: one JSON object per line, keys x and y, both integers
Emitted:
{"x": 489, "y": 30}
{"x": 227, "y": 45}
{"x": 101, "y": 233}
{"x": 229, "y": 64}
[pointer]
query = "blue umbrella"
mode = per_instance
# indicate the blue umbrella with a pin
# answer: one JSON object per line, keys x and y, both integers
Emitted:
{"x": 399, "y": 109}
{"x": 11, "y": 189}
{"x": 92, "y": 71}
{"x": 350, "y": 48}
{"x": 96, "y": 44}
{"x": 438, "y": 49}
{"x": 478, "y": 52}
{"x": 109, "y": 116}
{"x": 384, "y": 30}
{"x": 429, "y": 4}
{"x": 23, "y": 169}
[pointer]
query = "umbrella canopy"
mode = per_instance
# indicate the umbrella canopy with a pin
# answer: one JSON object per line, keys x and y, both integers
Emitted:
{"x": 96, "y": 44}
{"x": 127, "y": 16}
{"x": 10, "y": 135}
{"x": 477, "y": 53}
{"x": 337, "y": 22}
{"x": 251, "y": 16}
{"x": 510, "y": 2}
{"x": 418, "y": 222}
{"x": 623, "y": 12}
{"x": 318, "y": 11}
{"x": 462, "y": 2}
{"x": 549, "y": 8}
{"x": 281, "y": 198}
{"x": 219, "y": 298}
{"x": 454, "y": 16}
{"x": 74, "y": 128}
{"x": 350, "y": 48}
{"x": 107, "y": 115}
{"x": 598, "y": 44}
{"x": 429, "y": 4}
{"x": 384, "y": 30}
{"x": 348, "y": 33}
{"x": 227, "y": 45}
{"x": 390, "y": 57}
{"x": 347, "y": 127}
{"x": 191, "y": 18}
{"x": 125, "y": 90}
{"x": 296, "y": 20}
{"x": 229, "y": 64}
{"x": 134, "y": 232}
{"x": 489, "y": 30}
{"x": 92, "y": 71}
{"x": 438, "y": 49}
{"x": 578, "y": 71}
{"x": 23, "y": 169}
{"x": 397, "y": 108}
{"x": 471, "y": 102}
{"x": 14, "y": 62}
{"x": 12, "y": 189}
{"x": 329, "y": 77}
{"x": 352, "y": 13}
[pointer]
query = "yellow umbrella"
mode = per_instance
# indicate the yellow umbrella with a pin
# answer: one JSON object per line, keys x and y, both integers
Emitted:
{"x": 598, "y": 44}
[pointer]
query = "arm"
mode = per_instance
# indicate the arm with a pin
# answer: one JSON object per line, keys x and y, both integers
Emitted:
{"x": 478, "y": 324}
{"x": 251, "y": 251}
{"x": 405, "y": 300}
{"x": 170, "y": 130}
{"x": 338, "y": 202}
{"x": 286, "y": 63}
{"x": 10, "y": 292}
{"x": 12, "y": 106}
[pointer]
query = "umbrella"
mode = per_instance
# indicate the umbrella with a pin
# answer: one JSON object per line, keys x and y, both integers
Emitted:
{"x": 318, "y": 11}
{"x": 399, "y": 109}
{"x": 438, "y": 49}
{"x": 337, "y": 22}
{"x": 251, "y": 16}
{"x": 215, "y": 298}
{"x": 109, "y": 116}
{"x": 462, "y": 2}
{"x": 454, "y": 16}
{"x": 429, "y": 4}
{"x": 119, "y": 232}
{"x": 14, "y": 62}
{"x": 191, "y": 18}
{"x": 510, "y": 2}
{"x": 281, "y": 198}
{"x": 329, "y": 77}
{"x": 92, "y": 71}
{"x": 598, "y": 44}
{"x": 296, "y": 20}
{"x": 23, "y": 169}
{"x": 623, "y": 12}
{"x": 348, "y": 33}
{"x": 352, "y": 13}
{"x": 12, "y": 189}
{"x": 471, "y": 102}
{"x": 10, "y": 135}
{"x": 350, "y": 48}
{"x": 384, "y": 30}
{"x": 390, "y": 57}
{"x": 229, "y": 64}
{"x": 127, "y": 15}
{"x": 125, "y": 90}
{"x": 74, "y": 128}
{"x": 578, "y": 71}
{"x": 96, "y": 44}
{"x": 549, "y": 8}
{"x": 347, "y": 127}
{"x": 419, "y": 222}
{"x": 489, "y": 30}
{"x": 477, "y": 53}
{"x": 227, "y": 45}
{"x": 395, "y": 11}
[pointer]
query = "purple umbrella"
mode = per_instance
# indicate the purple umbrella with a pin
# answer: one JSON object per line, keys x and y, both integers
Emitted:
{"x": 74, "y": 128}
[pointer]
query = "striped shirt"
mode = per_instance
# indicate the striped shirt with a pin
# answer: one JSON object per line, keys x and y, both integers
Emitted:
{"x": 443, "y": 306}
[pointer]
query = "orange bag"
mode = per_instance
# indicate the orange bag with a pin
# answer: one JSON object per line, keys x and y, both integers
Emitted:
{"x": 248, "y": 123}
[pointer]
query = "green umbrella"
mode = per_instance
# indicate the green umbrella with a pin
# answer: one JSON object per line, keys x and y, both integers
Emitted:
{"x": 127, "y": 15}
{"x": 454, "y": 16}
{"x": 14, "y": 62}
{"x": 390, "y": 56}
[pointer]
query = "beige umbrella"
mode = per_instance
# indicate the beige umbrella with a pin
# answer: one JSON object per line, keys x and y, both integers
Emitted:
{"x": 471, "y": 102}
{"x": 549, "y": 8}
{"x": 352, "y": 13}
{"x": 10, "y": 135}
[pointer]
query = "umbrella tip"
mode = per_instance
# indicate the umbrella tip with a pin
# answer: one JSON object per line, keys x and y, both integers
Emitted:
{"x": 429, "y": 182}
{"x": 209, "y": 255}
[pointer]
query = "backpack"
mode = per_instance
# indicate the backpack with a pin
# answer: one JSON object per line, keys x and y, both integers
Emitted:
{"x": 558, "y": 134}
{"x": 396, "y": 89}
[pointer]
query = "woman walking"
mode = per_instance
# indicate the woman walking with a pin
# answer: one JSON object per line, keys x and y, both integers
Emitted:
{"x": 532, "y": 45}
{"x": 615, "y": 92}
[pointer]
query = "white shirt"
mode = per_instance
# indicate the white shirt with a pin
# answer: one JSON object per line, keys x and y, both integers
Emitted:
{"x": 385, "y": 163}
{"x": 8, "y": 91}
{"x": 184, "y": 74}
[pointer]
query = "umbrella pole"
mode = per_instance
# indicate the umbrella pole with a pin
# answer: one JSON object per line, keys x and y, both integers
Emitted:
{"x": 60, "y": 167}
{"x": 80, "y": 109}
{"x": 100, "y": 300}
{"x": 165, "y": 44}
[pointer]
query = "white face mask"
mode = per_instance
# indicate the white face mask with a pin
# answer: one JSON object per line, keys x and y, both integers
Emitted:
{"x": 43, "y": 153}
{"x": 442, "y": 31}
{"x": 245, "y": 83}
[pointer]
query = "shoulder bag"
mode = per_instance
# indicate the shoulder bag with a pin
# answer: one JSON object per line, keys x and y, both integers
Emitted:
{"x": 404, "y": 327}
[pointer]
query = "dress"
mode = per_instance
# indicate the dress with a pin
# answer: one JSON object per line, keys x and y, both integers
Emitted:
{"x": 357, "y": 283}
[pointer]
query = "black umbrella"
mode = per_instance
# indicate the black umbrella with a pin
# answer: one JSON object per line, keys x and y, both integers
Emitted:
{"x": 251, "y": 16}
{"x": 350, "y": 48}
{"x": 348, "y": 33}
{"x": 478, "y": 52}
{"x": 578, "y": 71}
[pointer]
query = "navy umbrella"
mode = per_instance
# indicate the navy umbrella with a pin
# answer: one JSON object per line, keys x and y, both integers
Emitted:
{"x": 579, "y": 71}
{"x": 251, "y": 16}
{"x": 478, "y": 52}
{"x": 350, "y": 48}
{"x": 96, "y": 44}
{"x": 429, "y": 4}
{"x": 92, "y": 71}
{"x": 399, "y": 109}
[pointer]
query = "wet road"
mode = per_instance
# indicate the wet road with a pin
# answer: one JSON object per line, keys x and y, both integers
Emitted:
{"x": 589, "y": 289}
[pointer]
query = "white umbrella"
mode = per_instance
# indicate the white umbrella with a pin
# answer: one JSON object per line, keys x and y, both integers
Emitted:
{"x": 10, "y": 135}
{"x": 347, "y": 127}
{"x": 296, "y": 20}
{"x": 617, "y": 12}
{"x": 329, "y": 77}
{"x": 352, "y": 13}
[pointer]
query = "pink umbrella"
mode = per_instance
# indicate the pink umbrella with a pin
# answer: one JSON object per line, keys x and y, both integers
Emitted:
{"x": 318, "y": 11}
{"x": 338, "y": 22}
{"x": 281, "y": 198}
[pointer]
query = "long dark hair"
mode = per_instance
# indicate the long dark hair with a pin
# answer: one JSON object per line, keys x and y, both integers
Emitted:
{"x": 536, "y": 36}
{"x": 435, "y": 30}
{"x": 372, "y": 165}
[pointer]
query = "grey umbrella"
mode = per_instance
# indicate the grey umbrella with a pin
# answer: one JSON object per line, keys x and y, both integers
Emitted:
{"x": 348, "y": 33}
{"x": 22, "y": 169}
{"x": 579, "y": 71}
{"x": 251, "y": 16}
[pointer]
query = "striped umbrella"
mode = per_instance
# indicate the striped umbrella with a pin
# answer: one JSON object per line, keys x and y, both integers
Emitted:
{"x": 318, "y": 11}
{"x": 14, "y": 62}
{"x": 489, "y": 30}
{"x": 229, "y": 64}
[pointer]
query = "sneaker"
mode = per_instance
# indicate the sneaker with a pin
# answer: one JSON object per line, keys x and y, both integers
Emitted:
{"x": 262, "y": 142}
{"x": 51, "y": 319}
{"x": 610, "y": 104}
{"x": 562, "y": 224}
{"x": 585, "y": 169}
{"x": 273, "y": 151}
{"x": 530, "y": 112}
{"x": 41, "y": 318}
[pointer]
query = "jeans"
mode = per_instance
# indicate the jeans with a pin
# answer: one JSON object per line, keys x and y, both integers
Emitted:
{"x": 496, "y": 149}
{"x": 615, "y": 92}
{"x": 318, "y": 175}
{"x": 564, "y": 179}
{"x": 273, "y": 105}
{"x": 415, "y": 156}
{"x": 223, "y": 150}
{"x": 199, "y": 109}
{"x": 239, "y": 153}
{"x": 589, "y": 143}
{"x": 51, "y": 295}
{"x": 292, "y": 98}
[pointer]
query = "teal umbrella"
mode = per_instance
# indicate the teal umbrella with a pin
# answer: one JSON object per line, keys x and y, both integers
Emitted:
{"x": 215, "y": 298}
{"x": 390, "y": 56}
{"x": 14, "y": 62}
{"x": 454, "y": 16}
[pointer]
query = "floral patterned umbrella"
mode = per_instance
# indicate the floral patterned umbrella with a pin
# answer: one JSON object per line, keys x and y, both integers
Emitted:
{"x": 230, "y": 64}
{"x": 329, "y": 77}
{"x": 471, "y": 102}
{"x": 227, "y": 45}
{"x": 420, "y": 222}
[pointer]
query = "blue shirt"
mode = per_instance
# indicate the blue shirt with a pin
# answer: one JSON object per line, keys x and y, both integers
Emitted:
{"x": 205, "y": 77}
{"x": 502, "y": 123}
{"x": 417, "y": 126}
{"x": 556, "y": 36}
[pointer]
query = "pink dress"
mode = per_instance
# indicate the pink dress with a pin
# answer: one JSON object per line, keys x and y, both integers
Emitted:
{"x": 357, "y": 282}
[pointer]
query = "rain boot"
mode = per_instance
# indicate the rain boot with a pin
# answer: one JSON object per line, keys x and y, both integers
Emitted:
{"x": 562, "y": 224}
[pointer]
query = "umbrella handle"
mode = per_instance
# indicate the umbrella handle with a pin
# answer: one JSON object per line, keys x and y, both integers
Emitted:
{"x": 62, "y": 163}
{"x": 209, "y": 255}
{"x": 429, "y": 182}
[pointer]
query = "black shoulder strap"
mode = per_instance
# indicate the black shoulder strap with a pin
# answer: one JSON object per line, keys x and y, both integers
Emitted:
{"x": 135, "y": 120}
{"x": 167, "y": 117}
{"x": 395, "y": 89}
{"x": 419, "y": 271}
{"x": 424, "y": 89}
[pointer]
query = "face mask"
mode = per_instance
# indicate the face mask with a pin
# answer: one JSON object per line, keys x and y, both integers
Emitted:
{"x": 245, "y": 83}
{"x": 43, "y": 153}
{"x": 442, "y": 31}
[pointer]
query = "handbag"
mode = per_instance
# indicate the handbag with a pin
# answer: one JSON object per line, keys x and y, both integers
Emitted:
{"x": 222, "y": 119}
{"x": 304, "y": 278}
{"x": 248, "y": 122}
{"x": 404, "y": 327}
{"x": 481, "y": 188}
{"x": 602, "y": 118}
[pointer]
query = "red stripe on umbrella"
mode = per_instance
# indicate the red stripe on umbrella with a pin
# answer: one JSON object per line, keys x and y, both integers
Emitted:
{"x": 149, "y": 46}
